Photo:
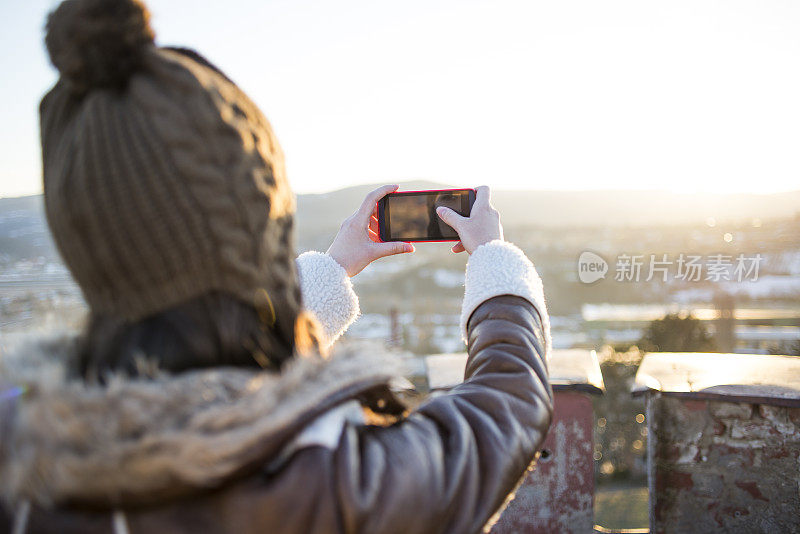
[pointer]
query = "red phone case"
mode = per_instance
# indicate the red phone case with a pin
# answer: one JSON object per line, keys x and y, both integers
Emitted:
{"x": 423, "y": 191}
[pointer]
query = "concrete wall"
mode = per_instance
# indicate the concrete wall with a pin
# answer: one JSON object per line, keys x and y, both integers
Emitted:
{"x": 722, "y": 466}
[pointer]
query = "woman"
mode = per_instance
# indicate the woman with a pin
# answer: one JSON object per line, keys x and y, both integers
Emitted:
{"x": 200, "y": 398}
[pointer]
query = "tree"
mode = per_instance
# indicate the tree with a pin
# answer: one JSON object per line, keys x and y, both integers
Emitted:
{"x": 790, "y": 349}
{"x": 676, "y": 333}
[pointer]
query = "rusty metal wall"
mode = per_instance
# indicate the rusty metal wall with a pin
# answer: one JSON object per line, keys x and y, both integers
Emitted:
{"x": 723, "y": 466}
{"x": 558, "y": 496}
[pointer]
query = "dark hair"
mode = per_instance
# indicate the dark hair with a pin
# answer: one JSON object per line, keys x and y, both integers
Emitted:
{"x": 212, "y": 330}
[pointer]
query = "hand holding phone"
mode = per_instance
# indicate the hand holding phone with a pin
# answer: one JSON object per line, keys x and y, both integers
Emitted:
{"x": 357, "y": 244}
{"x": 482, "y": 225}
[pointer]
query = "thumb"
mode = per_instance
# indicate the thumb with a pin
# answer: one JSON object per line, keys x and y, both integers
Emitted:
{"x": 450, "y": 217}
{"x": 391, "y": 248}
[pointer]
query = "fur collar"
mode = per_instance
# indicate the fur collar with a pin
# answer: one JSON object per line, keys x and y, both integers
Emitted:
{"x": 135, "y": 441}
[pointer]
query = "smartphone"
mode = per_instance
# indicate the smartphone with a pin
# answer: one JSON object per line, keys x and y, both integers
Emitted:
{"x": 411, "y": 215}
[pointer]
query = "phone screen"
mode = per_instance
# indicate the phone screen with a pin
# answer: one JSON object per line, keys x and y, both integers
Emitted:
{"x": 411, "y": 216}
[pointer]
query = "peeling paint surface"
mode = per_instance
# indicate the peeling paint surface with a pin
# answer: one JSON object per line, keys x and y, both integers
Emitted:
{"x": 723, "y": 466}
{"x": 558, "y": 496}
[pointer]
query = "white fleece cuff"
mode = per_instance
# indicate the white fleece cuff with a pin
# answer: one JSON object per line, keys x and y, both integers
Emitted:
{"x": 327, "y": 293}
{"x": 500, "y": 268}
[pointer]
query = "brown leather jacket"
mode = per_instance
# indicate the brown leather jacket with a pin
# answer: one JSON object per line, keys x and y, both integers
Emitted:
{"x": 448, "y": 466}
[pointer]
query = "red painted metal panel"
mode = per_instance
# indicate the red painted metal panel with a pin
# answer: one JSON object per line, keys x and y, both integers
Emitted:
{"x": 558, "y": 496}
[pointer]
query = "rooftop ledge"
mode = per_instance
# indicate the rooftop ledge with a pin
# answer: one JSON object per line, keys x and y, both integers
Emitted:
{"x": 750, "y": 378}
{"x": 572, "y": 370}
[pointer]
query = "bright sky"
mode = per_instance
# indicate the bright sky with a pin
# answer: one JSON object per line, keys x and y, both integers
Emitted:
{"x": 684, "y": 95}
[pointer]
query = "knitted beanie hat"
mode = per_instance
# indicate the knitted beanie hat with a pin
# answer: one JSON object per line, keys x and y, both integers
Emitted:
{"x": 162, "y": 180}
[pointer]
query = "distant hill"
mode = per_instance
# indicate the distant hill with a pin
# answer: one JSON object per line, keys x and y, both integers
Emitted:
{"x": 639, "y": 208}
{"x": 23, "y": 230}
{"x": 581, "y": 208}
{"x": 32, "y": 204}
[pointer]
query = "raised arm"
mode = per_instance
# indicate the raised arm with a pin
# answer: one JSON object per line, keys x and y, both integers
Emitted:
{"x": 327, "y": 293}
{"x": 450, "y": 466}
{"x": 452, "y": 463}
{"x": 325, "y": 278}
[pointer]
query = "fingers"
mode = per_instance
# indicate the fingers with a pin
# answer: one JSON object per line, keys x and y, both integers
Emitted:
{"x": 390, "y": 249}
{"x": 368, "y": 206}
{"x": 450, "y": 217}
{"x": 482, "y": 196}
{"x": 458, "y": 247}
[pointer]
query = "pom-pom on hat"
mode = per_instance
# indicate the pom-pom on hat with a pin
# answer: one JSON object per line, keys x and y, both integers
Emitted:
{"x": 162, "y": 180}
{"x": 98, "y": 43}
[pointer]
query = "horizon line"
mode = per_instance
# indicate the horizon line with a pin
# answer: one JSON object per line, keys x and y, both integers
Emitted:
{"x": 502, "y": 189}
